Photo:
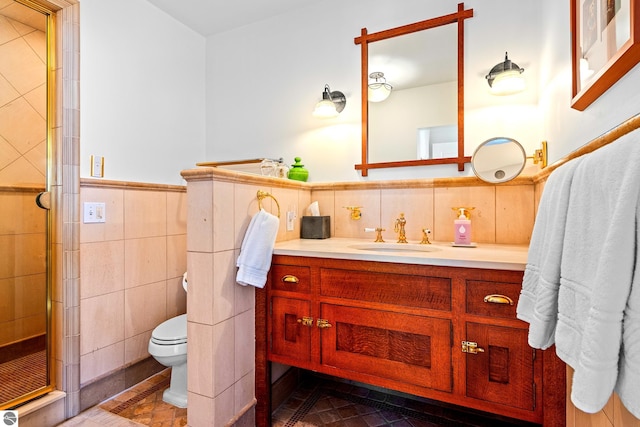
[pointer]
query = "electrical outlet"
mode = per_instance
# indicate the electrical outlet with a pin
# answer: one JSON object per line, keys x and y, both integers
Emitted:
{"x": 291, "y": 217}
{"x": 94, "y": 212}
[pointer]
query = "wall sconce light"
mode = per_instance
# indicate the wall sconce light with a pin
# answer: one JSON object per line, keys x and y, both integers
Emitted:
{"x": 506, "y": 78}
{"x": 331, "y": 105}
{"x": 379, "y": 89}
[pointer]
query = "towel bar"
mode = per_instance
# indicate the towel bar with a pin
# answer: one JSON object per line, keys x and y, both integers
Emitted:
{"x": 261, "y": 195}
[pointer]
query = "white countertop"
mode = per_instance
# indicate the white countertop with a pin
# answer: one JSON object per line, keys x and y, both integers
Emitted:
{"x": 484, "y": 255}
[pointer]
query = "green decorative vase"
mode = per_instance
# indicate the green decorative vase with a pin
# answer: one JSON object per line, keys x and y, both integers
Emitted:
{"x": 297, "y": 171}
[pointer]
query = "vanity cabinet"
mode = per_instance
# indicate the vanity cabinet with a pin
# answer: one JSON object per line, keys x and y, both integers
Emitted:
{"x": 444, "y": 333}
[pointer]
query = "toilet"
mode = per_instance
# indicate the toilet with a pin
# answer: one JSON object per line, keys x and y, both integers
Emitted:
{"x": 168, "y": 345}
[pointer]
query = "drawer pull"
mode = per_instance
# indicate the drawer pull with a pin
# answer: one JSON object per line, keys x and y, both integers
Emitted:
{"x": 290, "y": 278}
{"x": 324, "y": 323}
{"x": 471, "y": 347}
{"x": 306, "y": 321}
{"x": 498, "y": 299}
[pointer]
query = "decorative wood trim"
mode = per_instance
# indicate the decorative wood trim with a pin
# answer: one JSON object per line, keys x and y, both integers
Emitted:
{"x": 606, "y": 138}
{"x": 128, "y": 185}
{"x": 364, "y": 39}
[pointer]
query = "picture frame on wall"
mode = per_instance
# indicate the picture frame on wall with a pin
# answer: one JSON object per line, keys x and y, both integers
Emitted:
{"x": 605, "y": 45}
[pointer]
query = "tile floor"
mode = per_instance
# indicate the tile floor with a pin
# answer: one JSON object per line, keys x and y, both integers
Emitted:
{"x": 141, "y": 405}
{"x": 322, "y": 402}
{"x": 317, "y": 402}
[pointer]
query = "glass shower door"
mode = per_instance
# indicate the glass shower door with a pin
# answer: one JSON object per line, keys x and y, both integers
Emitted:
{"x": 24, "y": 275}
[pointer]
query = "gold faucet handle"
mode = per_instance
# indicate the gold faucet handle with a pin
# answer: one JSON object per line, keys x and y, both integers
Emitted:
{"x": 425, "y": 236}
{"x": 378, "y": 231}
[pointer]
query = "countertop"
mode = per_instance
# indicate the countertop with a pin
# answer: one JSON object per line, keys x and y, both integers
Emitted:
{"x": 484, "y": 255}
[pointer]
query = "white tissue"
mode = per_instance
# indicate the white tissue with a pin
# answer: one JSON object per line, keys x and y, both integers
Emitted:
{"x": 314, "y": 209}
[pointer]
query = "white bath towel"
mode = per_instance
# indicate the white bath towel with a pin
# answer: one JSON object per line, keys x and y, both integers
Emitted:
{"x": 538, "y": 302}
{"x": 257, "y": 250}
{"x": 629, "y": 364}
{"x": 597, "y": 272}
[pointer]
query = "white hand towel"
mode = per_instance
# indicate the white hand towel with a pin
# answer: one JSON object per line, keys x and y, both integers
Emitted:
{"x": 538, "y": 302}
{"x": 257, "y": 250}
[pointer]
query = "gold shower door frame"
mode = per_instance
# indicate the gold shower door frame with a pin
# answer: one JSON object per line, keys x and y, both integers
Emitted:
{"x": 49, "y": 385}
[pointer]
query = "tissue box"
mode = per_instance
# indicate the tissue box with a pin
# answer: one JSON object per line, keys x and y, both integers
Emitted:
{"x": 315, "y": 227}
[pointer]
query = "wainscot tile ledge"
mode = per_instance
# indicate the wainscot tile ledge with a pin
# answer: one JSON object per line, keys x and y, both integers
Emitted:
{"x": 484, "y": 255}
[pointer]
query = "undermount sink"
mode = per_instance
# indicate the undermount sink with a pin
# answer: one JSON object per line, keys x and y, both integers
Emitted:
{"x": 395, "y": 247}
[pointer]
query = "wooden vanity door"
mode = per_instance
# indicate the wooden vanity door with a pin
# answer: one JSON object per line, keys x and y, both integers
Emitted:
{"x": 388, "y": 345}
{"x": 504, "y": 371}
{"x": 290, "y": 334}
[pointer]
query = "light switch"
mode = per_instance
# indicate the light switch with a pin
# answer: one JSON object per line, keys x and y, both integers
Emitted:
{"x": 94, "y": 212}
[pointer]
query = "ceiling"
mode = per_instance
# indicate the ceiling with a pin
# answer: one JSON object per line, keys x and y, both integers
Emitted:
{"x": 209, "y": 17}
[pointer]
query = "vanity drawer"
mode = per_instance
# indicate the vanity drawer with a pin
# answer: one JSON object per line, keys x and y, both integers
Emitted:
{"x": 388, "y": 288}
{"x": 291, "y": 278}
{"x": 493, "y": 299}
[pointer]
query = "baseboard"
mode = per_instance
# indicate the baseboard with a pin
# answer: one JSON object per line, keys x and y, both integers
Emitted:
{"x": 284, "y": 386}
{"x": 104, "y": 388}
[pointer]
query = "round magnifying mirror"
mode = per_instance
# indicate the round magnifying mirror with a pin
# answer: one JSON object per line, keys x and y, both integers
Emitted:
{"x": 498, "y": 160}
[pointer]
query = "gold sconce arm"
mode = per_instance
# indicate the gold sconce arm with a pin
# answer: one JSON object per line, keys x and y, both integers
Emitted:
{"x": 356, "y": 214}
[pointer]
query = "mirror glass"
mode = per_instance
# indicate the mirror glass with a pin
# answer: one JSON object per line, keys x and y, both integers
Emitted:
{"x": 422, "y": 122}
{"x": 498, "y": 160}
{"x": 419, "y": 119}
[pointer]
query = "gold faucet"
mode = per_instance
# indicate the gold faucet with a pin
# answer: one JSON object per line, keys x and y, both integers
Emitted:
{"x": 379, "y": 235}
{"x": 399, "y": 228}
{"x": 425, "y": 236}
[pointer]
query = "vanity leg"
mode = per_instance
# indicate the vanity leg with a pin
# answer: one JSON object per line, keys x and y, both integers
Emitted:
{"x": 262, "y": 369}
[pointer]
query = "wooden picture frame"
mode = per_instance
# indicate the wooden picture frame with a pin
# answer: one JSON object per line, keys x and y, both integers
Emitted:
{"x": 605, "y": 45}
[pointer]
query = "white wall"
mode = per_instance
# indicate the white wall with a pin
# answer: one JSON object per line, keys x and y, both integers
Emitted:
{"x": 567, "y": 129}
{"x": 142, "y": 92}
{"x": 264, "y": 79}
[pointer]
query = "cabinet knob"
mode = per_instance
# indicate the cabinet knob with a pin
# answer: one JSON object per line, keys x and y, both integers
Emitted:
{"x": 498, "y": 299}
{"x": 324, "y": 323}
{"x": 290, "y": 278}
{"x": 306, "y": 321}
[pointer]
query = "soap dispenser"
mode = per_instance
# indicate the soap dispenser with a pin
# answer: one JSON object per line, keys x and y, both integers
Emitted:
{"x": 462, "y": 227}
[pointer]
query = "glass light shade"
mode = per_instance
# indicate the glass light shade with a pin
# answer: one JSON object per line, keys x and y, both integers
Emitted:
{"x": 508, "y": 82}
{"x": 325, "y": 109}
{"x": 379, "y": 92}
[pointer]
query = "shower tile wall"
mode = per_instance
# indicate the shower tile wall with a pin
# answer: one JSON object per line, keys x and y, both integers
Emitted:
{"x": 131, "y": 270}
{"x": 22, "y": 267}
{"x": 22, "y": 175}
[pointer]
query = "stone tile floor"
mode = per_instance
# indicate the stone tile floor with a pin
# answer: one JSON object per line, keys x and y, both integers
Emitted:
{"x": 141, "y": 405}
{"x": 321, "y": 402}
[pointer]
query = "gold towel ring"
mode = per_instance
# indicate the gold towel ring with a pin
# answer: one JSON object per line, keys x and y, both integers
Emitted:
{"x": 261, "y": 195}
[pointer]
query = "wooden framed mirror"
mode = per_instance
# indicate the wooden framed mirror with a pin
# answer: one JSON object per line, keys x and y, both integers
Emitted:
{"x": 432, "y": 67}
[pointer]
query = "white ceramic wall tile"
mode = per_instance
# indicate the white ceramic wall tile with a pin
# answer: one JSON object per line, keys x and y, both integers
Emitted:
{"x": 223, "y": 355}
{"x": 200, "y": 356}
{"x": 200, "y": 294}
{"x": 224, "y": 273}
{"x": 144, "y": 308}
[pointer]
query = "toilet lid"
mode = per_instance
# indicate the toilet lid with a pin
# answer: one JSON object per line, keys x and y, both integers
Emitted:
{"x": 172, "y": 331}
